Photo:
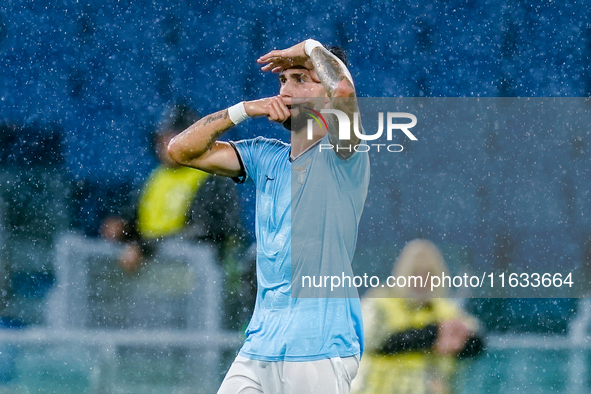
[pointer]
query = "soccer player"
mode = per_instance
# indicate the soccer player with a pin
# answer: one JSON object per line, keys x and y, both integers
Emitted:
{"x": 309, "y": 198}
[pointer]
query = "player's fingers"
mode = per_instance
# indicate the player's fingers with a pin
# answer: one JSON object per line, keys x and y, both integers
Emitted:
{"x": 277, "y": 106}
{"x": 269, "y": 55}
{"x": 276, "y": 67}
{"x": 268, "y": 67}
{"x": 272, "y": 60}
{"x": 283, "y": 107}
{"x": 278, "y": 110}
{"x": 287, "y": 113}
{"x": 266, "y": 61}
{"x": 282, "y": 110}
{"x": 274, "y": 63}
{"x": 272, "y": 112}
{"x": 264, "y": 58}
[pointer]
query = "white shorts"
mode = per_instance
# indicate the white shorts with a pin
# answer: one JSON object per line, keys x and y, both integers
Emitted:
{"x": 328, "y": 376}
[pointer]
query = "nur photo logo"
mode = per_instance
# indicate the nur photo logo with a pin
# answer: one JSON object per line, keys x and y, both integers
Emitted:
{"x": 393, "y": 126}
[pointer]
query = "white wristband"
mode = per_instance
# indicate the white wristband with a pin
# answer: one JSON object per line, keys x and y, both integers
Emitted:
{"x": 237, "y": 113}
{"x": 309, "y": 45}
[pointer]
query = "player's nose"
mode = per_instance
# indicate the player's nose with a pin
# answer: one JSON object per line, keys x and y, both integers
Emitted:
{"x": 286, "y": 90}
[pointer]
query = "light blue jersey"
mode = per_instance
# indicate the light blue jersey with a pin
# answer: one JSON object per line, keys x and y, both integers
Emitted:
{"x": 325, "y": 195}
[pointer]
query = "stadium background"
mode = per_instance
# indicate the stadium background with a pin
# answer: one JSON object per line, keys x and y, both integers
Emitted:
{"x": 84, "y": 84}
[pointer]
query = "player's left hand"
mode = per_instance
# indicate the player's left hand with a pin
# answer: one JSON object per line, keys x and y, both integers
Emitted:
{"x": 279, "y": 60}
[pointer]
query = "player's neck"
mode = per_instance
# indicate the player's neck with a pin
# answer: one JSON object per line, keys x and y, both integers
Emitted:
{"x": 300, "y": 141}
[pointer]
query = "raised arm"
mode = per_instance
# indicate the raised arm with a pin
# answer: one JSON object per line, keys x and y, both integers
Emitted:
{"x": 332, "y": 74}
{"x": 337, "y": 81}
{"x": 331, "y": 71}
{"x": 198, "y": 147}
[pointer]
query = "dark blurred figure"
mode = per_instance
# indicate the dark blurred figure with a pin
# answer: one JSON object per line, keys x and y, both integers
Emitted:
{"x": 178, "y": 202}
{"x": 414, "y": 337}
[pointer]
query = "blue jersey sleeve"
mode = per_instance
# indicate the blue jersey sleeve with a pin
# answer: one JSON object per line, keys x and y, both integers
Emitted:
{"x": 247, "y": 151}
{"x": 254, "y": 155}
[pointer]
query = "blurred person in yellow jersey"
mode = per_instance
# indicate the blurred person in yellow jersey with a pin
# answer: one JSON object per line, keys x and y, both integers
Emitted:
{"x": 175, "y": 201}
{"x": 414, "y": 336}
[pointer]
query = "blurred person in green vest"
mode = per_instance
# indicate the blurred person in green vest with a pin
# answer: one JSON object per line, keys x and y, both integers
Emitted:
{"x": 414, "y": 336}
{"x": 176, "y": 201}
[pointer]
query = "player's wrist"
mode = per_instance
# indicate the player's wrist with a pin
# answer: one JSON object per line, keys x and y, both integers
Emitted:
{"x": 258, "y": 107}
{"x": 309, "y": 45}
{"x": 237, "y": 113}
{"x": 251, "y": 108}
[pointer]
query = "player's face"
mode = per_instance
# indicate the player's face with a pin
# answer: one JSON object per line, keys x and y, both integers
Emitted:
{"x": 300, "y": 83}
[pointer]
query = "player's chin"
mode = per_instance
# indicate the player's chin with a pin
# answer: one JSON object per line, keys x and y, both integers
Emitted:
{"x": 295, "y": 123}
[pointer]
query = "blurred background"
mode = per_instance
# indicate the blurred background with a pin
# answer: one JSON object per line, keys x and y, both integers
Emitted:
{"x": 85, "y": 86}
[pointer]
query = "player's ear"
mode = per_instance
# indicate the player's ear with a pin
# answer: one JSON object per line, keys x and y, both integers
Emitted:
{"x": 314, "y": 76}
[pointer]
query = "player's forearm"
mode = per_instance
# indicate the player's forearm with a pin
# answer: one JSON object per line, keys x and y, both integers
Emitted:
{"x": 336, "y": 79}
{"x": 333, "y": 74}
{"x": 199, "y": 138}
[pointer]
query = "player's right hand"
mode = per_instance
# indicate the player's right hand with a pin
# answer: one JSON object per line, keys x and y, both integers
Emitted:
{"x": 274, "y": 108}
{"x": 279, "y": 60}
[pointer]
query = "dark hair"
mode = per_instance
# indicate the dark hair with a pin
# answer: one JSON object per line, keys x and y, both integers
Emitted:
{"x": 340, "y": 53}
{"x": 179, "y": 118}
